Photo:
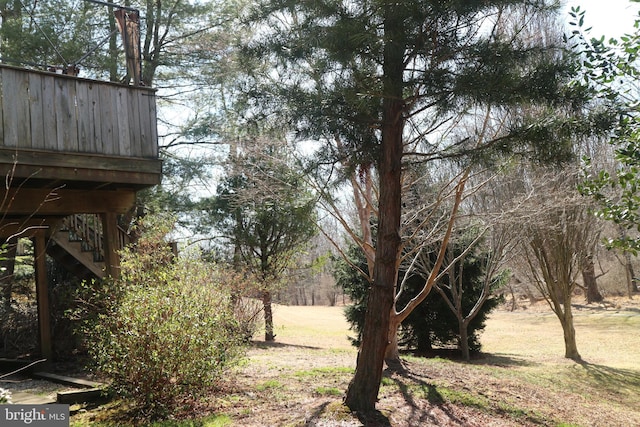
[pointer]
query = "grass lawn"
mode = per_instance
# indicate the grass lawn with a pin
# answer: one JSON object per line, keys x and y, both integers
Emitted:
{"x": 521, "y": 379}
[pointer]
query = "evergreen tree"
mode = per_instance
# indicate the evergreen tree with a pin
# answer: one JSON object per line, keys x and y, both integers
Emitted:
{"x": 612, "y": 68}
{"x": 432, "y": 324}
{"x": 265, "y": 215}
{"x": 390, "y": 80}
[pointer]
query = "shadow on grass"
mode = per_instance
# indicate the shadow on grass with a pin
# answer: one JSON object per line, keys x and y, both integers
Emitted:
{"x": 413, "y": 389}
{"x": 374, "y": 419}
{"x": 338, "y": 412}
{"x": 490, "y": 359}
{"x": 501, "y": 360}
{"x": 623, "y": 383}
{"x": 264, "y": 345}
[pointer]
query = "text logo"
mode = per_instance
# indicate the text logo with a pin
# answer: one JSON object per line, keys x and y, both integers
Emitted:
{"x": 34, "y": 415}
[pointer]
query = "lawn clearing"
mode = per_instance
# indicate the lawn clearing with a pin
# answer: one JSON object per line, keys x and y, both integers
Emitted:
{"x": 609, "y": 336}
{"x": 522, "y": 380}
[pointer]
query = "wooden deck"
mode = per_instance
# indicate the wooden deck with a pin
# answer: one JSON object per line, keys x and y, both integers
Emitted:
{"x": 58, "y": 129}
{"x": 70, "y": 146}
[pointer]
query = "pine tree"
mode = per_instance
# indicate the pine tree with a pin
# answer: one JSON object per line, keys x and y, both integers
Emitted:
{"x": 432, "y": 324}
{"x": 264, "y": 212}
{"x": 390, "y": 81}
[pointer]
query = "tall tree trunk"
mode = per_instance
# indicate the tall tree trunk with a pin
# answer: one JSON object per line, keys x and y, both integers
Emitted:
{"x": 463, "y": 342}
{"x": 392, "y": 353}
{"x": 268, "y": 317}
{"x": 632, "y": 285}
{"x": 570, "y": 345}
{"x": 589, "y": 280}
{"x": 113, "y": 48}
{"x": 362, "y": 392}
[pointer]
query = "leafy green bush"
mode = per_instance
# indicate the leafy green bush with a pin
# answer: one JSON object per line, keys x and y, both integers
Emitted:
{"x": 432, "y": 324}
{"x": 168, "y": 330}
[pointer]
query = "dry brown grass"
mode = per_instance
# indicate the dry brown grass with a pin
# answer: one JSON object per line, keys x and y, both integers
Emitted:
{"x": 521, "y": 380}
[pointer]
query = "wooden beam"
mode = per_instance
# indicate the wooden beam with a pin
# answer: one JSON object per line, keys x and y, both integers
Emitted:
{"x": 74, "y": 160}
{"x": 61, "y": 202}
{"x": 127, "y": 179}
{"x": 42, "y": 296}
{"x": 74, "y": 397}
{"x": 68, "y": 381}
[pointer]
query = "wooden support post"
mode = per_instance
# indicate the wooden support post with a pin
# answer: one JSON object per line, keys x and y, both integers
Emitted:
{"x": 42, "y": 295}
{"x": 7, "y": 265}
{"x": 111, "y": 244}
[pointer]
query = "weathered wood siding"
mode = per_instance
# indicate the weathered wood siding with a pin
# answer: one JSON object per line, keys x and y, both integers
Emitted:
{"x": 51, "y": 112}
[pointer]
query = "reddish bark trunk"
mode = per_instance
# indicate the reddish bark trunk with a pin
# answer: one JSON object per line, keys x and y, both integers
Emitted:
{"x": 362, "y": 392}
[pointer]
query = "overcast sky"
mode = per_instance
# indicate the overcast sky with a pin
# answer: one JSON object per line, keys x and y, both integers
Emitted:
{"x": 611, "y": 18}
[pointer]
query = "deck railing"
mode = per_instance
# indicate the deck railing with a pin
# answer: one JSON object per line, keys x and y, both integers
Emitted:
{"x": 46, "y": 111}
{"x": 87, "y": 229}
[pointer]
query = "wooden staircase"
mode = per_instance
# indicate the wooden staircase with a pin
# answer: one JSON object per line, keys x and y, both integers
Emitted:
{"x": 78, "y": 245}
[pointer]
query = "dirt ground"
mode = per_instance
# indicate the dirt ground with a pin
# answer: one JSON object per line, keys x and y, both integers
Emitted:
{"x": 521, "y": 380}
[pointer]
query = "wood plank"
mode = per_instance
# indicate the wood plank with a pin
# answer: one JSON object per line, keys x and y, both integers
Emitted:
{"x": 143, "y": 117}
{"x": 108, "y": 121}
{"x": 36, "y": 112}
{"x": 60, "y": 202}
{"x": 83, "y": 178}
{"x": 96, "y": 118}
{"x": 16, "y": 99}
{"x": 65, "y": 380}
{"x": 74, "y": 397}
{"x": 9, "y": 119}
{"x": 65, "y": 115}
{"x": 122, "y": 109}
{"x": 134, "y": 123}
{"x": 42, "y": 296}
{"x": 80, "y": 161}
{"x": 49, "y": 112}
{"x": 86, "y": 142}
{"x": 148, "y": 125}
{"x": 21, "y": 105}
{"x": 152, "y": 122}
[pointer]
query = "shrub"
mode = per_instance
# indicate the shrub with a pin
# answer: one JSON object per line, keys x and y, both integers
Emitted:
{"x": 169, "y": 333}
{"x": 432, "y": 323}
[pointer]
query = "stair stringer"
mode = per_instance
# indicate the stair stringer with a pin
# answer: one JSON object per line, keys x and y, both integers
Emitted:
{"x": 74, "y": 248}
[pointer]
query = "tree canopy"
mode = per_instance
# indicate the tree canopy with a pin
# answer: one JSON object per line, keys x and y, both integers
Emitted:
{"x": 264, "y": 213}
{"x": 612, "y": 68}
{"x": 386, "y": 83}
